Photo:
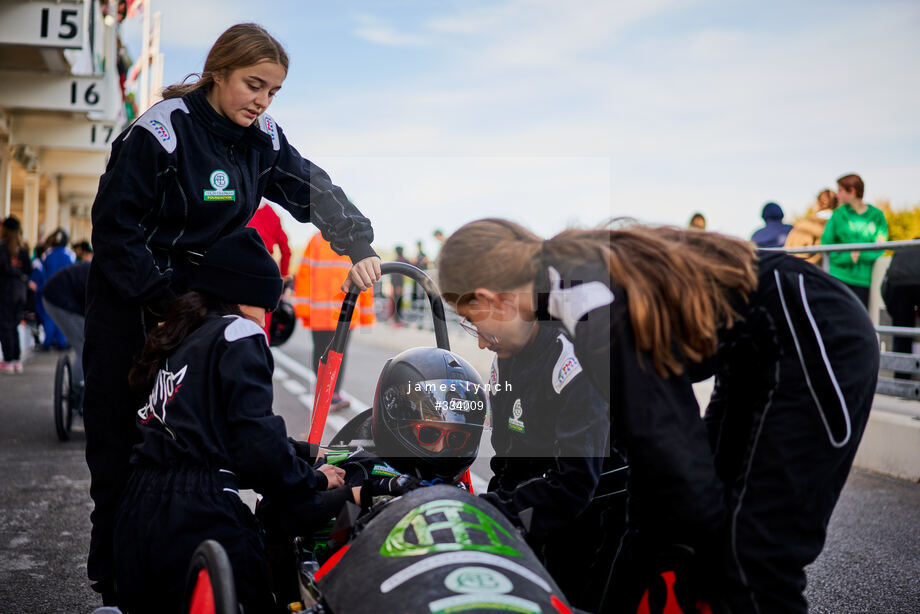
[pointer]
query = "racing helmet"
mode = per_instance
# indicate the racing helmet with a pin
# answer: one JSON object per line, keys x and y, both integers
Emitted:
{"x": 282, "y": 324}
{"x": 428, "y": 413}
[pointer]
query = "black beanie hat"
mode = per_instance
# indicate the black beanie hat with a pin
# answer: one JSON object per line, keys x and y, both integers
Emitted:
{"x": 238, "y": 269}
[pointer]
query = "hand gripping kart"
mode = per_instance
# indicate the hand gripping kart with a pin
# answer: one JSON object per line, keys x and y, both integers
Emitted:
{"x": 434, "y": 549}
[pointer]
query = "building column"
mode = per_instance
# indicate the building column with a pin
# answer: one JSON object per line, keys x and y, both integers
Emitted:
{"x": 81, "y": 225}
{"x": 67, "y": 222}
{"x": 52, "y": 205}
{"x": 6, "y": 176}
{"x": 30, "y": 208}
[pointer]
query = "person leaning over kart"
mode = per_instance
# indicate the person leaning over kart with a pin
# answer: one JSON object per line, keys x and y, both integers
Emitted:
{"x": 550, "y": 429}
{"x": 207, "y": 430}
{"x": 187, "y": 172}
{"x": 750, "y": 490}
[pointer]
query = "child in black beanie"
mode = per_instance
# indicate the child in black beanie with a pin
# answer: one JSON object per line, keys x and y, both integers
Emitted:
{"x": 207, "y": 430}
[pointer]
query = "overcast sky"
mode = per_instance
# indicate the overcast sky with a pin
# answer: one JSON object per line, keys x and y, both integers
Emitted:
{"x": 431, "y": 114}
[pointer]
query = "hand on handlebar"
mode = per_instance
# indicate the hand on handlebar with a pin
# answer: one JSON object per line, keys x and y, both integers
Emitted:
{"x": 334, "y": 475}
{"x": 395, "y": 486}
{"x": 363, "y": 274}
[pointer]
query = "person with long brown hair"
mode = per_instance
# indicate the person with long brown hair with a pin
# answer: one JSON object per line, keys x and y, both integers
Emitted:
{"x": 15, "y": 268}
{"x": 190, "y": 170}
{"x": 746, "y": 493}
{"x": 555, "y": 474}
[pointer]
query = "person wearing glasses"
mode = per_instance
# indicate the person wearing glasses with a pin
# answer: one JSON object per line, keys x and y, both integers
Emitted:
{"x": 728, "y": 509}
{"x": 553, "y": 475}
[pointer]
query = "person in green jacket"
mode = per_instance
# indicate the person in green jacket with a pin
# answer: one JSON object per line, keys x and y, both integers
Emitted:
{"x": 854, "y": 222}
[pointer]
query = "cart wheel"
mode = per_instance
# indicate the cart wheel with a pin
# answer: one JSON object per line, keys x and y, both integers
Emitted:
{"x": 63, "y": 409}
{"x": 209, "y": 586}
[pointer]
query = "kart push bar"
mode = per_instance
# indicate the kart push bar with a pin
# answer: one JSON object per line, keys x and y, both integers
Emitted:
{"x": 331, "y": 361}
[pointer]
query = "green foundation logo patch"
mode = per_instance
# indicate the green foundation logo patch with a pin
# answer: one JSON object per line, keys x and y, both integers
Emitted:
{"x": 514, "y": 422}
{"x": 219, "y": 181}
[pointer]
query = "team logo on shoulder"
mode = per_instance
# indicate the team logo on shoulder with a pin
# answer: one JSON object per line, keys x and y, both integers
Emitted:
{"x": 161, "y": 131}
{"x": 514, "y": 422}
{"x": 164, "y": 390}
{"x": 219, "y": 181}
{"x": 270, "y": 128}
{"x": 567, "y": 366}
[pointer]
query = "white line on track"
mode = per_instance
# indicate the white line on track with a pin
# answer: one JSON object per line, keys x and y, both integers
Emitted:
{"x": 295, "y": 367}
{"x": 294, "y": 386}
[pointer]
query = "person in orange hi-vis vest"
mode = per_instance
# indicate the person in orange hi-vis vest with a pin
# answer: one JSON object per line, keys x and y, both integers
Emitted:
{"x": 318, "y": 300}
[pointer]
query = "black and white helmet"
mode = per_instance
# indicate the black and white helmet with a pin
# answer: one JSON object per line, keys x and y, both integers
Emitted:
{"x": 428, "y": 414}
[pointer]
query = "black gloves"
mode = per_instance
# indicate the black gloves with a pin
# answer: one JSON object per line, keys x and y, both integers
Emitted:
{"x": 387, "y": 487}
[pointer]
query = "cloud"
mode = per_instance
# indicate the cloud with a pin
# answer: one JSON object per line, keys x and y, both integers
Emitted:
{"x": 192, "y": 25}
{"x": 692, "y": 105}
{"x": 407, "y": 197}
{"x": 375, "y": 30}
{"x": 719, "y": 119}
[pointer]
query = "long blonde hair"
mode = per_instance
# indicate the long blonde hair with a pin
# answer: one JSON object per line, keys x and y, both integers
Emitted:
{"x": 241, "y": 45}
{"x": 680, "y": 284}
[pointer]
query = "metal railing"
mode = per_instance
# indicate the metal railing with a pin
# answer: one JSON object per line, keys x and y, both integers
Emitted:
{"x": 889, "y": 361}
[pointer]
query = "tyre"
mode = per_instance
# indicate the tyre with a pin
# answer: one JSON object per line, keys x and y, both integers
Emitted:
{"x": 209, "y": 586}
{"x": 63, "y": 408}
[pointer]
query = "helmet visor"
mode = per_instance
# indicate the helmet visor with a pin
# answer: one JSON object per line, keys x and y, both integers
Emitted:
{"x": 452, "y": 401}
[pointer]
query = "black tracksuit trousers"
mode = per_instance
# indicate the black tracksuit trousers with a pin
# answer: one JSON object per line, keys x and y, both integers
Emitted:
{"x": 163, "y": 516}
{"x": 791, "y": 401}
{"x": 115, "y": 332}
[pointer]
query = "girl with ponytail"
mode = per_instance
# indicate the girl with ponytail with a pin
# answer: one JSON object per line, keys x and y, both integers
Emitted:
{"x": 190, "y": 170}
{"x": 748, "y": 489}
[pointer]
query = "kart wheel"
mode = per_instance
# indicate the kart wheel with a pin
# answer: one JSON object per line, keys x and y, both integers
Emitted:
{"x": 63, "y": 408}
{"x": 209, "y": 586}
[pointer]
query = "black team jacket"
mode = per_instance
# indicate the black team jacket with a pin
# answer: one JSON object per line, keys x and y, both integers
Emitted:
{"x": 182, "y": 176}
{"x": 211, "y": 408}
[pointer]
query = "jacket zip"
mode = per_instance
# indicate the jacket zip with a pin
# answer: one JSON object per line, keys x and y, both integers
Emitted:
{"x": 233, "y": 160}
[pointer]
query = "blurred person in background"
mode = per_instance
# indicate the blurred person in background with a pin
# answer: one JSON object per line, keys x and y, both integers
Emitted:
{"x": 268, "y": 225}
{"x": 807, "y": 231}
{"x": 56, "y": 257}
{"x": 318, "y": 300}
{"x": 438, "y": 235}
{"x": 854, "y": 222}
{"x": 83, "y": 250}
{"x": 420, "y": 261}
{"x": 15, "y": 268}
{"x": 901, "y": 293}
{"x": 774, "y": 231}
{"x": 398, "y": 281}
{"x": 698, "y": 221}
{"x": 64, "y": 300}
